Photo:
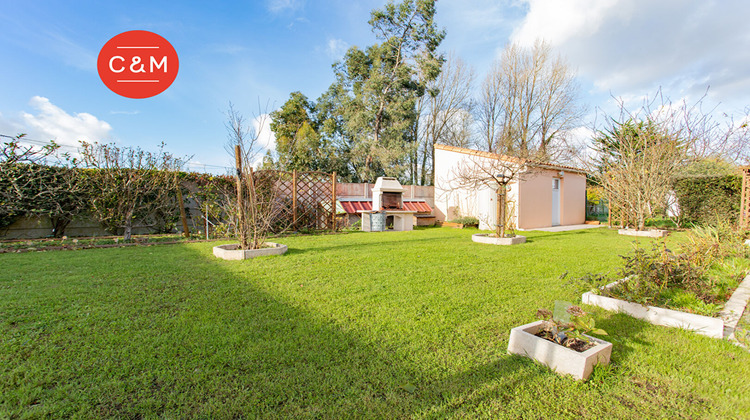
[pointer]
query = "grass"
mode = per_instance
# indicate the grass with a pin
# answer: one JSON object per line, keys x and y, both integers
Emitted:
{"x": 359, "y": 325}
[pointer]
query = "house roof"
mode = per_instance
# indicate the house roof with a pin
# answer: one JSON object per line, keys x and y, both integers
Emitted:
{"x": 358, "y": 205}
{"x": 507, "y": 158}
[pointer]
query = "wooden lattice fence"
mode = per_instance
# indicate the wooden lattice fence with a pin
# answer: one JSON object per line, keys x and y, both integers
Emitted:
{"x": 618, "y": 214}
{"x": 305, "y": 200}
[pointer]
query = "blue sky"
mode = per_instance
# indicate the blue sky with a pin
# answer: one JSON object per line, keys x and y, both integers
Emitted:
{"x": 255, "y": 53}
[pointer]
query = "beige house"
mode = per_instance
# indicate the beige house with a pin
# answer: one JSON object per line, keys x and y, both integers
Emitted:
{"x": 541, "y": 195}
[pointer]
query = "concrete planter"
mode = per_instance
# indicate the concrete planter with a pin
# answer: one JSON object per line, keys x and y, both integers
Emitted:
{"x": 233, "y": 253}
{"x": 561, "y": 359}
{"x": 712, "y": 327}
{"x": 484, "y": 238}
{"x": 655, "y": 233}
{"x": 721, "y": 327}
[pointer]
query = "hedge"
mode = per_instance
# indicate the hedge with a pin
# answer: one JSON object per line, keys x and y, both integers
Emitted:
{"x": 704, "y": 200}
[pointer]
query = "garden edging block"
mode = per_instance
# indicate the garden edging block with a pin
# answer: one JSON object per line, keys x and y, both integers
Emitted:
{"x": 644, "y": 233}
{"x": 735, "y": 307}
{"x": 712, "y": 327}
{"x": 561, "y": 359}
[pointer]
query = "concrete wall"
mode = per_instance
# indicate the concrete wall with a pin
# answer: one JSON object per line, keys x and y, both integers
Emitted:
{"x": 573, "y": 199}
{"x": 535, "y": 202}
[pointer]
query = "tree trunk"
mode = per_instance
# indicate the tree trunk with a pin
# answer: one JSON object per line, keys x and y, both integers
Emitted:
{"x": 127, "y": 233}
{"x": 501, "y": 210}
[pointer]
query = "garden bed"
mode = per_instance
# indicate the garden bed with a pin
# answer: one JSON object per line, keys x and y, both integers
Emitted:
{"x": 70, "y": 244}
{"x": 232, "y": 252}
{"x": 716, "y": 327}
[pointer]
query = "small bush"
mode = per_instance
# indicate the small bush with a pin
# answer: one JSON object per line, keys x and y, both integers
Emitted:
{"x": 466, "y": 221}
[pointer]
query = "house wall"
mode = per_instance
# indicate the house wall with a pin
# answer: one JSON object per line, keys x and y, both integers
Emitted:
{"x": 535, "y": 205}
{"x": 530, "y": 198}
{"x": 535, "y": 201}
{"x": 452, "y": 202}
{"x": 573, "y": 199}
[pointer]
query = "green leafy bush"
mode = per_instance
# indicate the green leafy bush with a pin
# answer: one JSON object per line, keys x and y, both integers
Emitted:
{"x": 708, "y": 199}
{"x": 466, "y": 221}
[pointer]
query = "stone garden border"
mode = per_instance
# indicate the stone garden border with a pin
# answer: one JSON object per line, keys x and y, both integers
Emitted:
{"x": 232, "y": 253}
{"x": 655, "y": 233}
{"x": 485, "y": 238}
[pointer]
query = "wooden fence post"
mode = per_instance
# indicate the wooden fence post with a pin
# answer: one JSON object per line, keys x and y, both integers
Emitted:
{"x": 333, "y": 201}
{"x": 745, "y": 199}
{"x": 294, "y": 198}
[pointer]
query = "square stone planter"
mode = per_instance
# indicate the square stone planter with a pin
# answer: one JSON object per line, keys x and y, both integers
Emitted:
{"x": 654, "y": 233}
{"x": 484, "y": 238}
{"x": 233, "y": 253}
{"x": 561, "y": 359}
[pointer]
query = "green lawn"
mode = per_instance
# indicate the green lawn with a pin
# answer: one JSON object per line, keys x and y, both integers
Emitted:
{"x": 342, "y": 326}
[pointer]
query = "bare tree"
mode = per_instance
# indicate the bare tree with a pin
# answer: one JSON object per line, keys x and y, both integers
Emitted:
{"x": 445, "y": 112}
{"x": 256, "y": 207}
{"x": 243, "y": 133}
{"x": 528, "y": 103}
{"x": 636, "y": 156}
{"x": 727, "y": 139}
{"x": 488, "y": 109}
{"x": 484, "y": 170}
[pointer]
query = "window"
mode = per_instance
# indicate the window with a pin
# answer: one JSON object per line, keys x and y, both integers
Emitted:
{"x": 555, "y": 184}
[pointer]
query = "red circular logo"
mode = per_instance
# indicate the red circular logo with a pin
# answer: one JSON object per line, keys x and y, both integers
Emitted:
{"x": 137, "y": 64}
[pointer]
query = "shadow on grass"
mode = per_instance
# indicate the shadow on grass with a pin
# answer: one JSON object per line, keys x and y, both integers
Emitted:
{"x": 177, "y": 333}
{"x": 623, "y": 331}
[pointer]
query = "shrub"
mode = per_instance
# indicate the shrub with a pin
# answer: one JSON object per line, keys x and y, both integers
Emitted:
{"x": 710, "y": 199}
{"x": 697, "y": 280}
{"x": 466, "y": 220}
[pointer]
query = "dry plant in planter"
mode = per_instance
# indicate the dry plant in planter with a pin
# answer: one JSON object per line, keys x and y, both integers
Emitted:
{"x": 559, "y": 341}
{"x": 570, "y": 331}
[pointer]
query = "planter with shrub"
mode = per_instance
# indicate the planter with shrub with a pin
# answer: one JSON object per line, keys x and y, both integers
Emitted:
{"x": 561, "y": 342}
{"x": 694, "y": 289}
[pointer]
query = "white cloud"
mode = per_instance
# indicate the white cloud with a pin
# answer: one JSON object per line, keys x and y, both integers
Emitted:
{"x": 631, "y": 47}
{"x": 336, "y": 48}
{"x": 52, "y": 122}
{"x": 557, "y": 21}
{"x": 266, "y": 138}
